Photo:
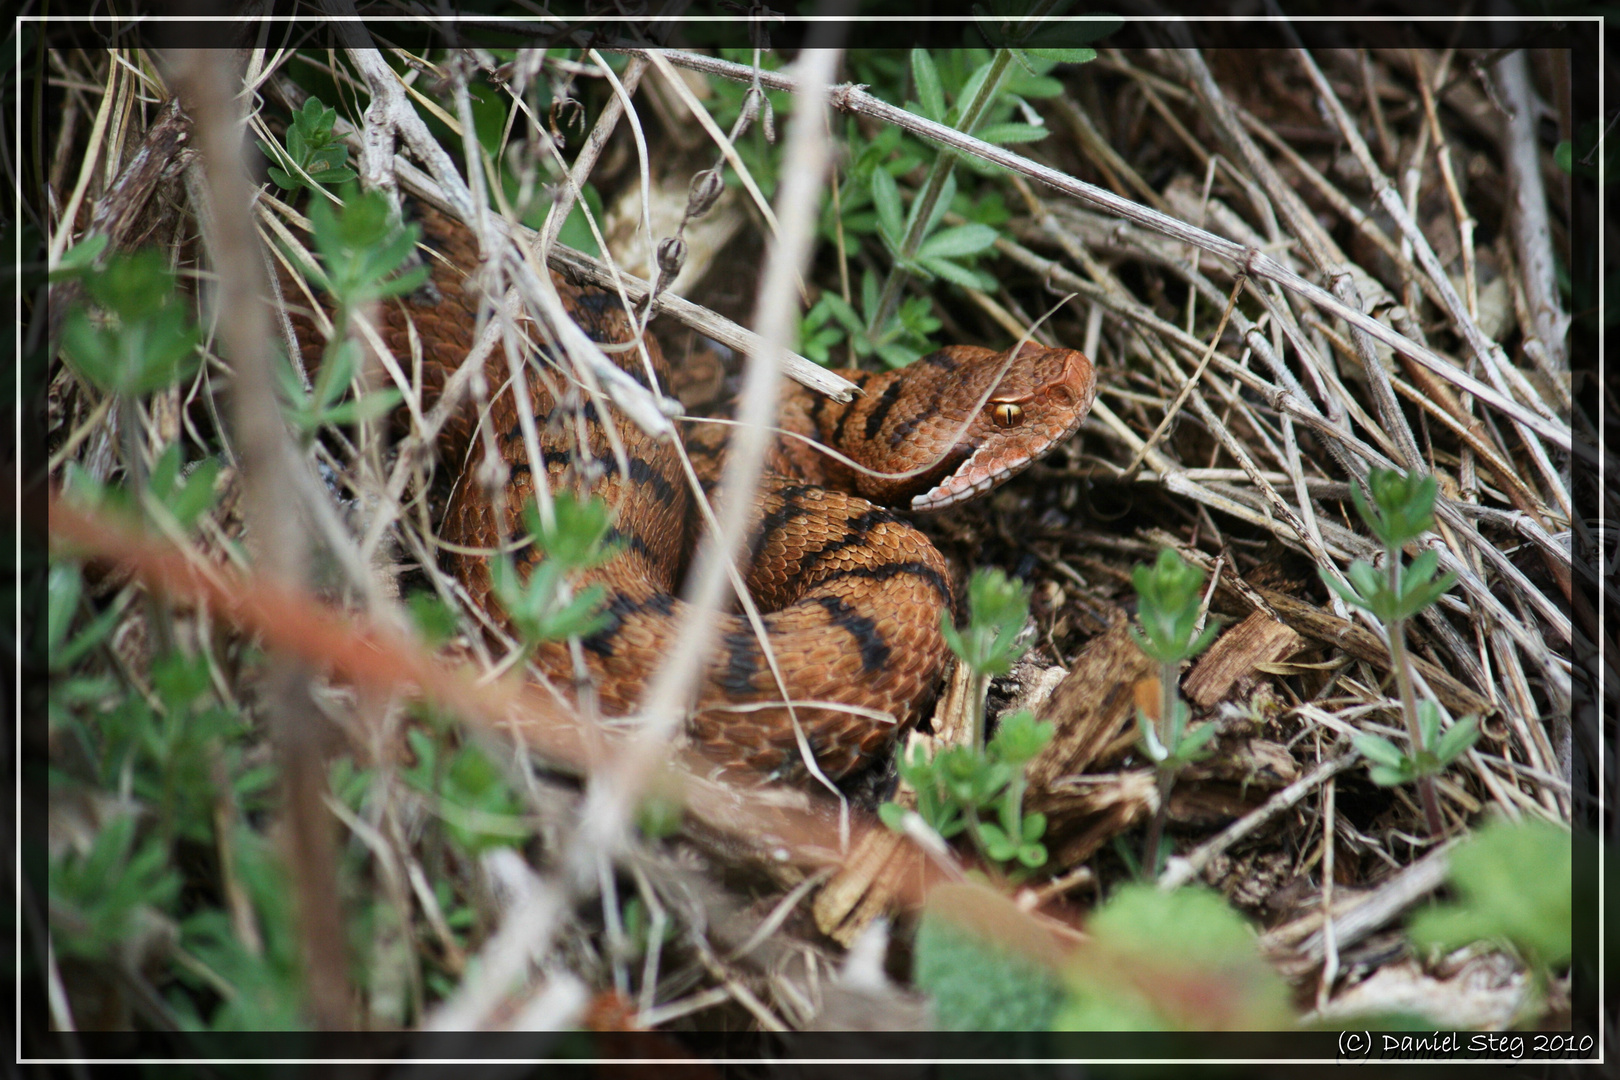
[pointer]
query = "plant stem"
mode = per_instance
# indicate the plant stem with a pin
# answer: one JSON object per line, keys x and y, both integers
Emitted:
{"x": 980, "y": 691}
{"x": 1167, "y": 771}
{"x": 1403, "y": 682}
{"x": 922, "y": 210}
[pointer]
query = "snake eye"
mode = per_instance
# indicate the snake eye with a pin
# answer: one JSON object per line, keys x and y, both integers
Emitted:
{"x": 1008, "y": 415}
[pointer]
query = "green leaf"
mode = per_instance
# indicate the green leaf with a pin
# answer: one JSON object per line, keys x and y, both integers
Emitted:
{"x": 1513, "y": 882}
{"x": 1428, "y": 723}
{"x": 926, "y": 77}
{"x": 435, "y": 620}
{"x": 77, "y": 259}
{"x": 1009, "y": 133}
{"x": 64, "y": 586}
{"x": 891, "y": 216}
{"x": 1180, "y": 960}
{"x": 998, "y": 608}
{"x": 954, "y": 243}
{"x": 1170, "y": 597}
{"x": 1346, "y": 592}
{"x": 1032, "y": 855}
{"x": 1376, "y": 748}
{"x": 955, "y": 274}
{"x": 1019, "y": 738}
{"x": 197, "y": 494}
{"x": 1369, "y": 584}
{"x": 997, "y": 845}
{"x": 1457, "y": 739}
{"x": 1387, "y": 776}
{"x": 893, "y": 815}
{"x": 1066, "y": 56}
{"x": 1192, "y": 746}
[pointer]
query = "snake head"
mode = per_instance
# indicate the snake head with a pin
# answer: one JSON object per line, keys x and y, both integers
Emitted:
{"x": 1031, "y": 401}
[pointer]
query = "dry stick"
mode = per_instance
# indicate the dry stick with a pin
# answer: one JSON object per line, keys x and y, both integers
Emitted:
{"x": 1361, "y": 918}
{"x": 206, "y": 85}
{"x": 1306, "y": 229}
{"x": 612, "y": 797}
{"x": 1187, "y": 387}
{"x": 1488, "y": 353}
{"x": 1532, "y": 237}
{"x": 585, "y": 160}
{"x": 1182, "y": 869}
{"x": 1330, "y": 940}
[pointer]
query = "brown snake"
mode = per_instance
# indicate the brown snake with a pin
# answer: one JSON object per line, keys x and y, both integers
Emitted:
{"x": 851, "y": 595}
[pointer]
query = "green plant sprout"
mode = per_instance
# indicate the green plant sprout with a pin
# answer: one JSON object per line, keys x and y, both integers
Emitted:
{"x": 832, "y": 318}
{"x": 361, "y": 250}
{"x": 911, "y": 240}
{"x": 576, "y": 540}
{"x": 142, "y": 341}
{"x": 981, "y": 105}
{"x": 959, "y": 783}
{"x": 314, "y": 158}
{"x": 146, "y": 340}
{"x": 1169, "y": 603}
{"x": 1401, "y": 511}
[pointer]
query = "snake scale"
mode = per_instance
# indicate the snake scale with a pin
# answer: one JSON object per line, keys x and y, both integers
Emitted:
{"x": 851, "y": 594}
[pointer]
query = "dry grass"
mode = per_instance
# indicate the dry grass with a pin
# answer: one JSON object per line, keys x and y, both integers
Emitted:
{"x": 1371, "y": 328}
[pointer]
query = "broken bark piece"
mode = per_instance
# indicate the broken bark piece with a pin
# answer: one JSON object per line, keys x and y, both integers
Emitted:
{"x": 1090, "y": 706}
{"x": 1230, "y": 663}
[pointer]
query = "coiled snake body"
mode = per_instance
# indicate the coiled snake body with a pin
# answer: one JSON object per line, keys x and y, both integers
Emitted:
{"x": 851, "y": 594}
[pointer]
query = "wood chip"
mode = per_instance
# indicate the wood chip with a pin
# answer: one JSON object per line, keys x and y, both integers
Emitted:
{"x": 1230, "y": 663}
{"x": 1089, "y": 707}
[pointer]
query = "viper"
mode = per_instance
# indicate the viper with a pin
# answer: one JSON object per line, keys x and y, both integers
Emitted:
{"x": 851, "y": 595}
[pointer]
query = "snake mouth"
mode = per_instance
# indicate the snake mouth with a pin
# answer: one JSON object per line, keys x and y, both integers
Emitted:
{"x": 978, "y": 474}
{"x": 996, "y": 460}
